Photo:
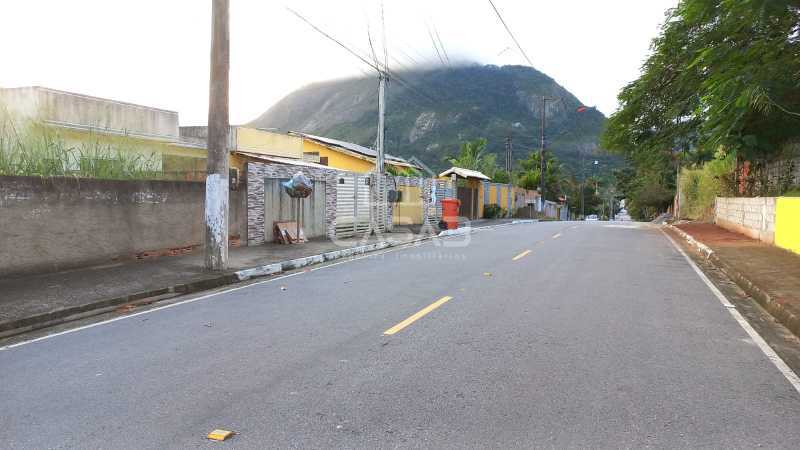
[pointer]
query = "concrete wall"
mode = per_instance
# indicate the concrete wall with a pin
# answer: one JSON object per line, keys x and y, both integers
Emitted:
{"x": 268, "y": 143}
{"x": 409, "y": 210}
{"x": 753, "y": 217}
{"x": 498, "y": 194}
{"x": 52, "y": 224}
{"x": 199, "y": 135}
{"x": 80, "y": 111}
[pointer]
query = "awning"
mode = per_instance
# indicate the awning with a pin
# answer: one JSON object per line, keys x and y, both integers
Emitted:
{"x": 464, "y": 173}
{"x": 281, "y": 160}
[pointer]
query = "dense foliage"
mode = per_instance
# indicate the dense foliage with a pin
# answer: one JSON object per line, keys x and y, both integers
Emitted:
{"x": 700, "y": 186}
{"x": 473, "y": 156}
{"x": 723, "y": 75}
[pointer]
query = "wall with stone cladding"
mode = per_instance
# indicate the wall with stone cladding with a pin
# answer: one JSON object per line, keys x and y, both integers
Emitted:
{"x": 257, "y": 172}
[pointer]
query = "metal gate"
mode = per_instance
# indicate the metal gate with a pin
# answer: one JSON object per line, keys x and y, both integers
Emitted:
{"x": 469, "y": 203}
{"x": 352, "y": 204}
{"x": 278, "y": 206}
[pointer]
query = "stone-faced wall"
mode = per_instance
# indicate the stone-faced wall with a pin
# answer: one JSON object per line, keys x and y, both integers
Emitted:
{"x": 52, "y": 224}
{"x": 257, "y": 172}
{"x": 753, "y": 217}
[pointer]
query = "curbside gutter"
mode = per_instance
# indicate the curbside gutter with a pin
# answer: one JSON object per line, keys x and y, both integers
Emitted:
{"x": 39, "y": 321}
{"x": 59, "y": 316}
{"x": 703, "y": 248}
{"x": 774, "y": 306}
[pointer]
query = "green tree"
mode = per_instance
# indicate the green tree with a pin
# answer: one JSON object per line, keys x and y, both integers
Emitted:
{"x": 501, "y": 176}
{"x": 723, "y": 74}
{"x": 473, "y": 155}
{"x": 555, "y": 176}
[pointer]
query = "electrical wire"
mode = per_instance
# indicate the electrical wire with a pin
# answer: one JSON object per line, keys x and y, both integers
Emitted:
{"x": 500, "y": 16}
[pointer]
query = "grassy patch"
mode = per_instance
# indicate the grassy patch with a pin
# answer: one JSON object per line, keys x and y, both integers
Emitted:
{"x": 32, "y": 149}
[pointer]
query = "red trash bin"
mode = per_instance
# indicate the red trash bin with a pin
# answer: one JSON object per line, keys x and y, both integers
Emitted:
{"x": 450, "y": 212}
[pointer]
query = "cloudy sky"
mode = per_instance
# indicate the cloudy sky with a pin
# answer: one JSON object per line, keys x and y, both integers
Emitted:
{"x": 155, "y": 52}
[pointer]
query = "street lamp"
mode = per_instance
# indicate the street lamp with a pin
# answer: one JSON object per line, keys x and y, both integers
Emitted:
{"x": 582, "y": 108}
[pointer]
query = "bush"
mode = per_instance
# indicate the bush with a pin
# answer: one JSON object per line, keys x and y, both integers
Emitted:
{"x": 699, "y": 187}
{"x": 493, "y": 212}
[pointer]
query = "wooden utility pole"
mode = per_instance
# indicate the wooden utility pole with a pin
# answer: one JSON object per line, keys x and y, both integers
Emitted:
{"x": 216, "y": 208}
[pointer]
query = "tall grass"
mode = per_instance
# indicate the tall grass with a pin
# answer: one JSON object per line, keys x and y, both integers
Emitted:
{"x": 701, "y": 186}
{"x": 32, "y": 149}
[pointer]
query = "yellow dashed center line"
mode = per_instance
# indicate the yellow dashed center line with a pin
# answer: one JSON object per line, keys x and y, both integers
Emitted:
{"x": 521, "y": 255}
{"x": 418, "y": 315}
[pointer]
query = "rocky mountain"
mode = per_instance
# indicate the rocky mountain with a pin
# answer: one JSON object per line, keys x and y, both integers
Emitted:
{"x": 429, "y": 112}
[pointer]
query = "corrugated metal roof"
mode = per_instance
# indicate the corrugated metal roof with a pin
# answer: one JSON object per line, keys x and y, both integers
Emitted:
{"x": 464, "y": 173}
{"x": 360, "y": 149}
{"x": 280, "y": 160}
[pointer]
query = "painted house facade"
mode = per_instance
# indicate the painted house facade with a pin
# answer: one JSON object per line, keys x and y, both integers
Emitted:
{"x": 347, "y": 155}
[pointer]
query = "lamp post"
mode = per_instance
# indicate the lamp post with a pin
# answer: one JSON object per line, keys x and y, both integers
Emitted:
{"x": 582, "y": 109}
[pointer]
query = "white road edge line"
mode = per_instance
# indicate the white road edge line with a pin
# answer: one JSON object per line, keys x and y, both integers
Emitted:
{"x": 203, "y": 297}
{"x": 760, "y": 342}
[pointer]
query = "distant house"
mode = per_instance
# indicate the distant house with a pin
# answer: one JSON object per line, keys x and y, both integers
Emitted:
{"x": 93, "y": 127}
{"x": 346, "y": 155}
{"x": 255, "y": 144}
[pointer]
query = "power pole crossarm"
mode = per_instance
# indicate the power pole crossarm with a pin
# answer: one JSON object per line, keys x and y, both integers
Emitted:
{"x": 216, "y": 207}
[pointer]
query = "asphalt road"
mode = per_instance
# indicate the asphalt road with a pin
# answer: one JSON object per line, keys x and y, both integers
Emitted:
{"x": 601, "y": 335}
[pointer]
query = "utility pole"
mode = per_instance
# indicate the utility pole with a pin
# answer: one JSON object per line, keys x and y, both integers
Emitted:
{"x": 216, "y": 207}
{"x": 543, "y": 124}
{"x": 381, "y": 127}
{"x": 583, "y": 184}
{"x": 377, "y": 213}
{"x": 508, "y": 154}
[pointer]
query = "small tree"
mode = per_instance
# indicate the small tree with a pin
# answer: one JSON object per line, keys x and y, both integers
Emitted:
{"x": 473, "y": 156}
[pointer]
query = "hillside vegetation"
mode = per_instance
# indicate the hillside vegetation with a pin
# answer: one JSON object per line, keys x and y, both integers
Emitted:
{"x": 443, "y": 108}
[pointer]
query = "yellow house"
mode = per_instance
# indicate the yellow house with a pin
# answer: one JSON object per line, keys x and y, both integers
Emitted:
{"x": 346, "y": 155}
{"x": 245, "y": 143}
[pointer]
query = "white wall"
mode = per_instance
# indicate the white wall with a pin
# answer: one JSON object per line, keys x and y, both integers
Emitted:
{"x": 754, "y": 217}
{"x": 90, "y": 113}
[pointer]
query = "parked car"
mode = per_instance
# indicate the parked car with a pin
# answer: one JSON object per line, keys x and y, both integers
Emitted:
{"x": 591, "y": 218}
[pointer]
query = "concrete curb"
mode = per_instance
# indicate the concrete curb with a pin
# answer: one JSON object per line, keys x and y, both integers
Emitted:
{"x": 772, "y": 305}
{"x": 703, "y": 248}
{"x": 24, "y": 325}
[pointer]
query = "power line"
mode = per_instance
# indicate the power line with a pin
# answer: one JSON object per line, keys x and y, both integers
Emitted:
{"x": 435, "y": 46}
{"x": 500, "y": 16}
{"x": 441, "y": 44}
{"x": 372, "y": 48}
{"x": 339, "y": 43}
{"x": 385, "y": 44}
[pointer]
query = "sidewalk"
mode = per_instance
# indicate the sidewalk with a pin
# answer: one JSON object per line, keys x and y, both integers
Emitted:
{"x": 36, "y": 301}
{"x": 769, "y": 274}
